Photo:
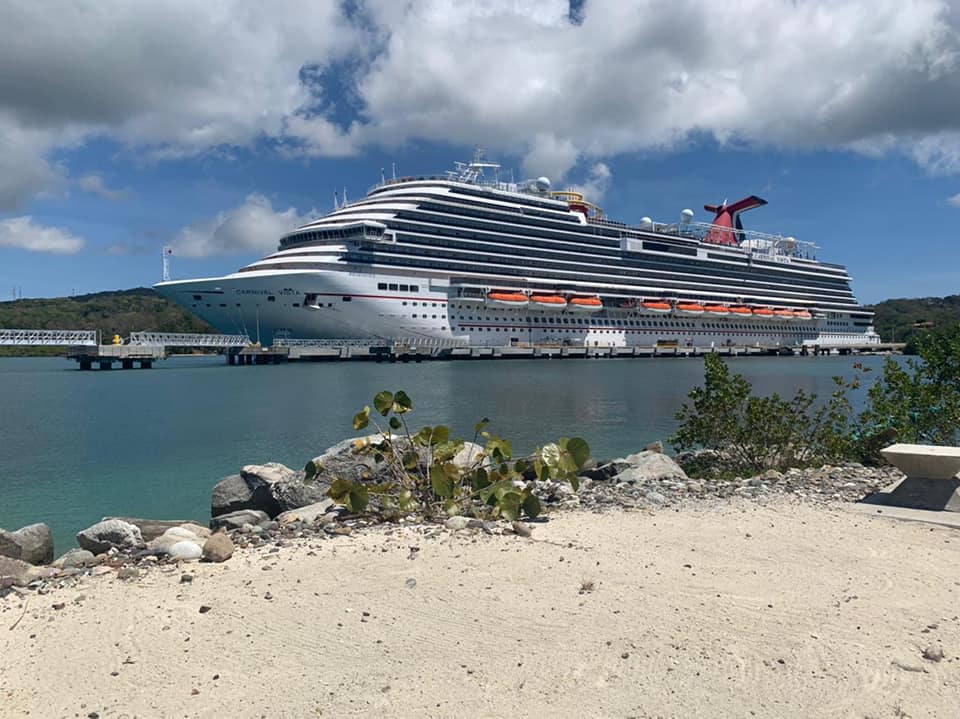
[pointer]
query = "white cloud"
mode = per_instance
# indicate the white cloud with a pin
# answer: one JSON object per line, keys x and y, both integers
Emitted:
{"x": 21, "y": 233}
{"x": 94, "y": 184}
{"x": 178, "y": 78}
{"x": 253, "y": 227}
{"x": 954, "y": 201}
{"x": 597, "y": 183}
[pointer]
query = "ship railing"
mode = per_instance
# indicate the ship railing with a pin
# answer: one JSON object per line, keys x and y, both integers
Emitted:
{"x": 410, "y": 342}
{"x": 757, "y": 243}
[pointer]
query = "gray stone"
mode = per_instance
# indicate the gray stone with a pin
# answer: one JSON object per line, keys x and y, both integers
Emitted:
{"x": 110, "y": 534}
{"x": 521, "y": 529}
{"x": 32, "y": 544}
{"x": 236, "y": 520}
{"x": 656, "y": 498}
{"x": 230, "y": 495}
{"x": 75, "y": 558}
{"x": 455, "y": 523}
{"x": 469, "y": 456}
{"x": 185, "y": 550}
{"x": 308, "y": 514}
{"x": 272, "y": 488}
{"x": 655, "y": 447}
{"x": 218, "y": 548}
{"x": 16, "y": 572}
{"x": 650, "y": 466}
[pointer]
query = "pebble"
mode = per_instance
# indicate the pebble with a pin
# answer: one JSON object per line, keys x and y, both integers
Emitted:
{"x": 521, "y": 529}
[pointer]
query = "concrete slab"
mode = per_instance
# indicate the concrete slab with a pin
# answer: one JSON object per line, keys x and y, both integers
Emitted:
{"x": 905, "y": 514}
{"x": 921, "y": 460}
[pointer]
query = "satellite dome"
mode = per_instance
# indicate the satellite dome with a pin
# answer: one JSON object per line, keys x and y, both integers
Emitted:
{"x": 543, "y": 183}
{"x": 686, "y": 216}
{"x": 646, "y": 223}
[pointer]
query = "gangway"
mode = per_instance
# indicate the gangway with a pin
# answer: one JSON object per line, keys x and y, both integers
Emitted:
{"x": 183, "y": 339}
{"x": 48, "y": 338}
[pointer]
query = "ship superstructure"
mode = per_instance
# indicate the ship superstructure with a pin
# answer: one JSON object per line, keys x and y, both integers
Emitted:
{"x": 466, "y": 256}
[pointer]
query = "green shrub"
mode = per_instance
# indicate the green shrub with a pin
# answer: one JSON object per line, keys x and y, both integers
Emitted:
{"x": 425, "y": 478}
{"x": 751, "y": 433}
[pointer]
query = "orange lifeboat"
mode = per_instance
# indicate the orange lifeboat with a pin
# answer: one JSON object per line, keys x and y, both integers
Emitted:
{"x": 548, "y": 302}
{"x": 762, "y": 313}
{"x": 783, "y": 314}
{"x": 802, "y": 315}
{"x": 716, "y": 310}
{"x": 689, "y": 308}
{"x": 506, "y": 298}
{"x": 740, "y": 310}
{"x": 658, "y": 306}
{"x": 585, "y": 304}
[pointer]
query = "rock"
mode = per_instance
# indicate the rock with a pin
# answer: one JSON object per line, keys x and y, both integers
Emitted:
{"x": 468, "y": 456}
{"x": 521, "y": 529}
{"x": 185, "y": 550}
{"x": 174, "y": 535}
{"x": 308, "y": 514}
{"x": 75, "y": 558}
{"x": 218, "y": 548}
{"x": 235, "y": 520}
{"x": 456, "y": 523}
{"x": 605, "y": 471}
{"x": 233, "y": 494}
{"x": 655, "y": 447}
{"x": 32, "y": 544}
{"x": 110, "y": 534}
{"x": 649, "y": 466}
{"x": 128, "y": 573}
{"x": 272, "y": 488}
{"x": 933, "y": 654}
{"x": 17, "y": 572}
{"x": 151, "y": 528}
{"x": 656, "y": 498}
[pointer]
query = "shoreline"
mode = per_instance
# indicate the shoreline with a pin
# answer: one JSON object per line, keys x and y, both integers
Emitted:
{"x": 825, "y": 612}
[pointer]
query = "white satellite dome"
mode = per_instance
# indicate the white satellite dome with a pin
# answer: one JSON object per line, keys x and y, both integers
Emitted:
{"x": 646, "y": 223}
{"x": 686, "y": 216}
{"x": 543, "y": 183}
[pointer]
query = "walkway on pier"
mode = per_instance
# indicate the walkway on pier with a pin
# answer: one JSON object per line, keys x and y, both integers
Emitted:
{"x": 48, "y": 338}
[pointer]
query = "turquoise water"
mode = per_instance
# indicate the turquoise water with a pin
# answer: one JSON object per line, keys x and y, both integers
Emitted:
{"x": 77, "y": 446}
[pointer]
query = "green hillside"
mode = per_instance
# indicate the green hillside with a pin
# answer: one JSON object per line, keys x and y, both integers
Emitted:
{"x": 110, "y": 313}
{"x": 900, "y": 320}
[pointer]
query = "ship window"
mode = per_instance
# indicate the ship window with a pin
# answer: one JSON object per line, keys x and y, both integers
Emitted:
{"x": 346, "y": 299}
{"x": 381, "y": 285}
{"x": 222, "y": 304}
{"x": 404, "y": 303}
{"x": 271, "y": 298}
{"x": 296, "y": 304}
{"x": 198, "y": 297}
{"x": 393, "y": 287}
{"x": 404, "y": 288}
{"x": 414, "y": 288}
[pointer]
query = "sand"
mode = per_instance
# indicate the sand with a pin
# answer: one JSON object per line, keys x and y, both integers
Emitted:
{"x": 724, "y": 610}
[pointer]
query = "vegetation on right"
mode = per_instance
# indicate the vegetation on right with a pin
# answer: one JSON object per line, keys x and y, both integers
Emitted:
{"x": 915, "y": 401}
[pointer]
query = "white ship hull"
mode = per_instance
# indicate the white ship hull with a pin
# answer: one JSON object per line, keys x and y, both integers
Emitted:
{"x": 350, "y": 305}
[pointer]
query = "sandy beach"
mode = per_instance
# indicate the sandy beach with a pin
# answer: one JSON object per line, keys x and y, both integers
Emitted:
{"x": 728, "y": 609}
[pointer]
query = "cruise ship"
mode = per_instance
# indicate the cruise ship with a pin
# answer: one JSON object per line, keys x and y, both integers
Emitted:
{"x": 470, "y": 259}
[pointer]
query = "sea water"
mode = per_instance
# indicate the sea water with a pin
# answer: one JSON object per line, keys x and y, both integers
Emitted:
{"x": 77, "y": 446}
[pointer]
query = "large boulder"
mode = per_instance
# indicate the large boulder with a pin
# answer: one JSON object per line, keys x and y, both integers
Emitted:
{"x": 32, "y": 544}
{"x": 111, "y": 534}
{"x": 272, "y": 488}
{"x": 649, "y": 466}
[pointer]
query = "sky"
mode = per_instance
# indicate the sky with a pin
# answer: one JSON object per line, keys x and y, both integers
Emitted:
{"x": 215, "y": 127}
